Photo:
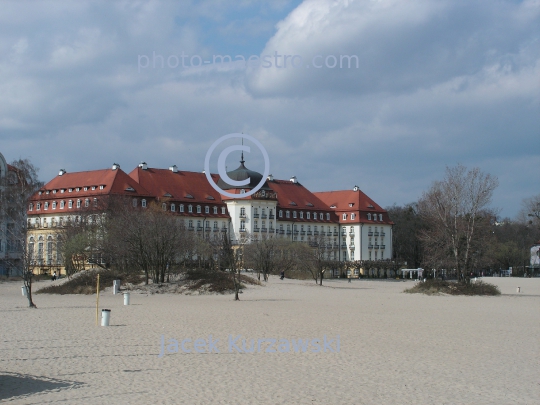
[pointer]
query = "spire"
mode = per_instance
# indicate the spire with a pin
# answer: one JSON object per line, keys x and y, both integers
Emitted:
{"x": 242, "y": 161}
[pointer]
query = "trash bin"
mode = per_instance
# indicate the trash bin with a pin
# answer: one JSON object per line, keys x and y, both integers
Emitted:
{"x": 126, "y": 298}
{"x": 116, "y": 286}
{"x": 24, "y": 291}
{"x": 518, "y": 289}
{"x": 105, "y": 317}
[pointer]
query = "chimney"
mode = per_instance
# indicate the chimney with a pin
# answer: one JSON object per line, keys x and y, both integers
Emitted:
{"x": 115, "y": 166}
{"x": 294, "y": 180}
{"x": 61, "y": 172}
{"x": 173, "y": 168}
{"x": 143, "y": 165}
{"x": 270, "y": 178}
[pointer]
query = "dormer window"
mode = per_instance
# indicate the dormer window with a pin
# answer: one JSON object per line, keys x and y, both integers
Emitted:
{"x": 301, "y": 215}
{"x": 134, "y": 202}
{"x": 70, "y": 204}
{"x": 173, "y": 208}
{"x": 207, "y": 209}
{"x": 215, "y": 210}
{"x": 288, "y": 214}
{"x": 321, "y": 217}
{"x": 70, "y": 190}
{"x": 78, "y": 203}
{"x": 143, "y": 203}
{"x": 85, "y": 189}
{"x": 369, "y": 216}
{"x": 190, "y": 208}
{"x": 328, "y": 216}
{"x": 30, "y": 207}
{"x": 164, "y": 207}
{"x": 95, "y": 202}
{"x": 344, "y": 217}
{"x": 181, "y": 207}
{"x": 380, "y": 217}
{"x": 198, "y": 209}
{"x": 280, "y": 214}
{"x": 61, "y": 204}
{"x": 62, "y": 191}
{"x": 101, "y": 187}
{"x": 46, "y": 207}
{"x": 308, "y": 215}
{"x": 93, "y": 187}
{"x": 294, "y": 214}
{"x": 78, "y": 189}
{"x": 353, "y": 216}
{"x": 223, "y": 211}
{"x": 86, "y": 202}
{"x": 54, "y": 205}
{"x": 54, "y": 191}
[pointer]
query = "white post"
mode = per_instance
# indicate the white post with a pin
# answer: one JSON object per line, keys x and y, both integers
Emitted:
{"x": 24, "y": 291}
{"x": 519, "y": 289}
{"x": 116, "y": 286}
{"x": 105, "y": 317}
{"x": 126, "y": 298}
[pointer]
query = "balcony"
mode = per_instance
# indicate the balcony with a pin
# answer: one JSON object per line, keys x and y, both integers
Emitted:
{"x": 281, "y": 231}
{"x": 343, "y": 233}
{"x": 199, "y": 228}
{"x": 295, "y": 232}
{"x": 351, "y": 245}
{"x": 255, "y": 215}
{"x": 335, "y": 233}
{"x": 190, "y": 228}
{"x": 216, "y": 229}
{"x": 336, "y": 245}
{"x": 376, "y": 246}
{"x": 256, "y": 229}
{"x": 323, "y": 233}
{"x": 242, "y": 229}
{"x": 376, "y": 233}
{"x": 242, "y": 215}
{"x": 264, "y": 230}
{"x": 313, "y": 243}
{"x": 289, "y": 232}
{"x": 271, "y": 216}
{"x": 271, "y": 230}
{"x": 370, "y": 246}
{"x": 343, "y": 245}
{"x": 302, "y": 232}
{"x": 309, "y": 233}
{"x": 383, "y": 246}
{"x": 223, "y": 229}
{"x": 352, "y": 234}
{"x": 370, "y": 234}
{"x": 263, "y": 216}
{"x": 383, "y": 234}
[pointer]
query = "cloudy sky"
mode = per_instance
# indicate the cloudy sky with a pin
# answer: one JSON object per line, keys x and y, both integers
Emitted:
{"x": 84, "y": 84}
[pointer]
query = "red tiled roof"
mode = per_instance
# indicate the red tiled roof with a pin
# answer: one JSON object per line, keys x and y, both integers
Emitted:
{"x": 178, "y": 186}
{"x": 114, "y": 182}
{"x": 361, "y": 205}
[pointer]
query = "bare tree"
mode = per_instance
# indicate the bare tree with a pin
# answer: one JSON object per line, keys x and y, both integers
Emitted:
{"x": 530, "y": 212}
{"x": 455, "y": 210}
{"x": 314, "y": 257}
{"x": 20, "y": 184}
{"x": 268, "y": 254}
{"x": 406, "y": 245}
{"x": 231, "y": 259}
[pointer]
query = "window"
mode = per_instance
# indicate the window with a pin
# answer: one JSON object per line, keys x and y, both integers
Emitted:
{"x": 70, "y": 190}
{"x": 369, "y": 216}
{"x": 288, "y": 214}
{"x": 38, "y": 207}
{"x": 70, "y": 204}
{"x": 134, "y": 202}
{"x": 143, "y": 203}
{"x": 223, "y": 210}
{"x": 280, "y": 214}
{"x": 380, "y": 217}
{"x": 215, "y": 210}
{"x": 78, "y": 189}
{"x": 30, "y": 207}
{"x": 190, "y": 208}
{"x": 95, "y": 202}
{"x": 46, "y": 207}
{"x": 101, "y": 187}
{"x": 344, "y": 216}
{"x": 190, "y": 223}
{"x": 61, "y": 204}
{"x": 198, "y": 209}
{"x": 374, "y": 217}
{"x": 93, "y": 187}
{"x": 78, "y": 203}
{"x": 207, "y": 209}
{"x": 294, "y": 214}
{"x": 315, "y": 216}
{"x": 301, "y": 215}
{"x": 164, "y": 206}
{"x": 199, "y": 226}
{"x": 173, "y": 208}
{"x": 308, "y": 215}
{"x": 321, "y": 217}
{"x": 353, "y": 216}
{"x": 181, "y": 207}
{"x": 242, "y": 212}
{"x": 242, "y": 225}
{"x": 215, "y": 225}
{"x": 86, "y": 202}
{"x": 54, "y": 205}
{"x": 86, "y": 189}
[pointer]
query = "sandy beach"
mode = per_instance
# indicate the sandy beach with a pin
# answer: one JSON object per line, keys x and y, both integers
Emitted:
{"x": 394, "y": 348}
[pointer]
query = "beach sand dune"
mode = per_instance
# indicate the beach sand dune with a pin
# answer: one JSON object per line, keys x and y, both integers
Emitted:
{"x": 394, "y": 348}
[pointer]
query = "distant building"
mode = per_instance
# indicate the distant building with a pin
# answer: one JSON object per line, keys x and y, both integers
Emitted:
{"x": 354, "y": 227}
{"x": 10, "y": 249}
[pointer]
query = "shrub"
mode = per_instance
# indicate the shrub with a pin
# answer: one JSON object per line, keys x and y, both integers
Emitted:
{"x": 85, "y": 282}
{"x": 434, "y": 287}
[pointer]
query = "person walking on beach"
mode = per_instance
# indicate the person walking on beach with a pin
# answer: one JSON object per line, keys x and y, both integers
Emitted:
{"x": 54, "y": 276}
{"x": 282, "y": 275}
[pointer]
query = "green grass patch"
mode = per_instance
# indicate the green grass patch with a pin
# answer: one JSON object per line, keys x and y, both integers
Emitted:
{"x": 435, "y": 287}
